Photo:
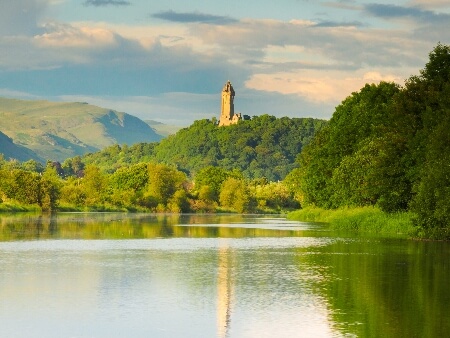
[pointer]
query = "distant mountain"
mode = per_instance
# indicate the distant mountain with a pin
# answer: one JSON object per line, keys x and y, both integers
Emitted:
{"x": 9, "y": 150}
{"x": 59, "y": 130}
{"x": 163, "y": 129}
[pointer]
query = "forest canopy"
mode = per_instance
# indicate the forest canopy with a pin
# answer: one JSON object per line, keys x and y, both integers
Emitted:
{"x": 386, "y": 146}
{"x": 264, "y": 146}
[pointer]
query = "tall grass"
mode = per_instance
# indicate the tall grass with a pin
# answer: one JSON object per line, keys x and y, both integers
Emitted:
{"x": 361, "y": 219}
{"x": 12, "y": 206}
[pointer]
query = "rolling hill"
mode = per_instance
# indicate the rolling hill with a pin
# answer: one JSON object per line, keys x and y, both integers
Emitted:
{"x": 163, "y": 129}
{"x": 59, "y": 130}
{"x": 10, "y": 150}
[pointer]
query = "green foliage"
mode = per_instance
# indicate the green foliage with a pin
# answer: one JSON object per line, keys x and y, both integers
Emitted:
{"x": 164, "y": 181}
{"x": 362, "y": 219}
{"x": 73, "y": 167}
{"x": 272, "y": 196}
{"x": 134, "y": 177}
{"x": 111, "y": 158}
{"x": 431, "y": 170}
{"x": 262, "y": 147}
{"x": 19, "y": 185}
{"x": 388, "y": 147}
{"x": 431, "y": 202}
{"x": 30, "y": 188}
{"x": 50, "y": 189}
{"x": 208, "y": 182}
{"x": 72, "y": 193}
{"x": 340, "y": 166}
{"x": 235, "y": 195}
{"x": 293, "y": 183}
{"x": 94, "y": 186}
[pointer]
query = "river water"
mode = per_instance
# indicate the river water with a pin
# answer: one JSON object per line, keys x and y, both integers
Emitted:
{"x": 122, "y": 275}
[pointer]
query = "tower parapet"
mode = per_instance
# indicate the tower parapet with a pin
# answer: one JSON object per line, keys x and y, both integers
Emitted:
{"x": 227, "y": 115}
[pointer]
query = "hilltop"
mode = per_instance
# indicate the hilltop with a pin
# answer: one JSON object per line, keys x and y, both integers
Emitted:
{"x": 59, "y": 130}
{"x": 264, "y": 146}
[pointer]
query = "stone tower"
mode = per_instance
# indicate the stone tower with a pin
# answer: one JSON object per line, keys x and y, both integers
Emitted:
{"x": 227, "y": 115}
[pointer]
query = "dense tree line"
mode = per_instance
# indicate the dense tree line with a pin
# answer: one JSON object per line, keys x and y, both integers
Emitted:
{"x": 29, "y": 183}
{"x": 261, "y": 147}
{"x": 386, "y": 146}
{"x": 145, "y": 186}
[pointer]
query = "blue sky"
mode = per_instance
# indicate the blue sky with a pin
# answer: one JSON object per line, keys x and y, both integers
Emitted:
{"x": 168, "y": 60}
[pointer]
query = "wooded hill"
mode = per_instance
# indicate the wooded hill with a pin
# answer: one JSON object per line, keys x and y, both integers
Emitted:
{"x": 264, "y": 146}
{"x": 58, "y": 130}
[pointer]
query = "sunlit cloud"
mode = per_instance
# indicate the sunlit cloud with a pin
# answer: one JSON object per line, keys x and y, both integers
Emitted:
{"x": 63, "y": 35}
{"x": 316, "y": 86}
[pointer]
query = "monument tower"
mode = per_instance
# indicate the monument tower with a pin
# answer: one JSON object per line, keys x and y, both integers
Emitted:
{"x": 227, "y": 115}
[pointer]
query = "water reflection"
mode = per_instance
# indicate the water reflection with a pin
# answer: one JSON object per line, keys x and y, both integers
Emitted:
{"x": 134, "y": 226}
{"x": 116, "y": 275}
{"x": 225, "y": 289}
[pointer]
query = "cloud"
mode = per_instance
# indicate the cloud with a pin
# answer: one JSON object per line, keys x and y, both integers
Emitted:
{"x": 21, "y": 17}
{"x": 317, "y": 86}
{"x": 346, "y": 46}
{"x": 65, "y": 35}
{"x": 350, "y": 5}
{"x": 339, "y": 24}
{"x": 103, "y": 3}
{"x": 83, "y": 59}
{"x": 193, "y": 18}
{"x": 431, "y": 3}
{"x": 399, "y": 12}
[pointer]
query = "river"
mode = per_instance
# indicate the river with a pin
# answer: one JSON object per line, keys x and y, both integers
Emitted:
{"x": 137, "y": 275}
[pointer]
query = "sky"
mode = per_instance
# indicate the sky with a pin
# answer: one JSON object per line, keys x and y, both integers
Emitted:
{"x": 168, "y": 60}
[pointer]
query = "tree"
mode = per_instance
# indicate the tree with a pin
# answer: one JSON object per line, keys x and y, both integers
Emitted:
{"x": 32, "y": 165}
{"x": 164, "y": 181}
{"x": 50, "y": 189}
{"x": 208, "y": 182}
{"x": 336, "y": 168}
{"x": 431, "y": 176}
{"x": 235, "y": 194}
{"x": 20, "y": 185}
{"x": 94, "y": 186}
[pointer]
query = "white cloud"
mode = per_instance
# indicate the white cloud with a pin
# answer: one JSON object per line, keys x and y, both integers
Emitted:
{"x": 316, "y": 86}
{"x": 62, "y": 36}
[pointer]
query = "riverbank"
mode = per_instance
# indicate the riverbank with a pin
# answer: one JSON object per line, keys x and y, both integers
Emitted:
{"x": 15, "y": 207}
{"x": 364, "y": 220}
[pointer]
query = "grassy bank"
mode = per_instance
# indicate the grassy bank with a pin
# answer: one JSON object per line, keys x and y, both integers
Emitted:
{"x": 363, "y": 220}
{"x": 16, "y": 207}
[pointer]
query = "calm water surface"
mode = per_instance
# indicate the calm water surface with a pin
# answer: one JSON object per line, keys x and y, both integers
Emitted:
{"x": 119, "y": 275}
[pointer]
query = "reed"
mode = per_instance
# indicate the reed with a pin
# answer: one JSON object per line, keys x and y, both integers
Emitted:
{"x": 361, "y": 219}
{"x": 12, "y": 206}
